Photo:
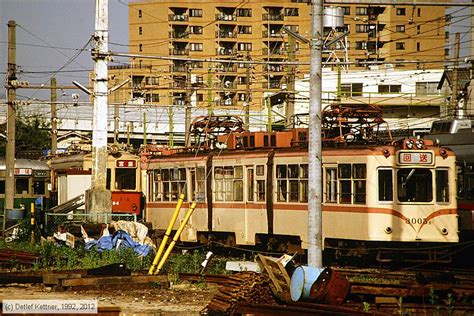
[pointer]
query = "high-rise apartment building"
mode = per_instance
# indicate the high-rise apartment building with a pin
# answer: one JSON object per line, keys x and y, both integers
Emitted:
{"x": 200, "y": 44}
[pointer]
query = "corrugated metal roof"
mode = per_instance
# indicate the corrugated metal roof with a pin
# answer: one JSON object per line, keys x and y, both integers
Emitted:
{"x": 464, "y": 77}
{"x": 26, "y": 164}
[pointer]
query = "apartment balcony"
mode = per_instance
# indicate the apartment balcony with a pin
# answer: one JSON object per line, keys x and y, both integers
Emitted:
{"x": 273, "y": 17}
{"x": 226, "y": 51}
{"x": 226, "y": 34}
{"x": 177, "y": 68}
{"x": 178, "y": 84}
{"x": 178, "y": 35}
{"x": 226, "y": 17}
{"x": 272, "y": 34}
{"x": 178, "y": 17}
{"x": 179, "y": 52}
{"x": 227, "y": 102}
{"x": 227, "y": 68}
{"x": 272, "y": 84}
{"x": 274, "y": 68}
{"x": 227, "y": 85}
{"x": 274, "y": 51}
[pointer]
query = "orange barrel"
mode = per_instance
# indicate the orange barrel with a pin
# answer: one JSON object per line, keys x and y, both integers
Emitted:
{"x": 330, "y": 288}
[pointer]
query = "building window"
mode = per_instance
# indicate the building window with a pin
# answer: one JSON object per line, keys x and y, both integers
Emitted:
{"x": 151, "y": 81}
{"x": 426, "y": 88}
{"x": 245, "y": 29}
{"x": 244, "y": 46}
{"x": 140, "y": 47}
{"x": 418, "y": 13}
{"x": 418, "y": 46}
{"x": 200, "y": 97}
{"x": 361, "y": 10}
{"x": 346, "y": 10}
{"x": 140, "y": 30}
{"x": 361, "y": 45}
{"x": 195, "y": 29}
{"x": 152, "y": 97}
{"x": 292, "y": 12}
{"x": 362, "y": 28}
{"x": 242, "y": 80}
{"x": 400, "y": 45}
{"x": 195, "y": 47}
{"x": 139, "y": 13}
{"x": 401, "y": 11}
{"x": 418, "y": 29}
{"x": 244, "y": 12}
{"x": 351, "y": 89}
{"x": 400, "y": 28}
{"x": 390, "y": 88}
{"x": 196, "y": 13}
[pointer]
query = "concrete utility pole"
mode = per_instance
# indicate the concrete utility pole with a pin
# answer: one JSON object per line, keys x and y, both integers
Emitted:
{"x": 470, "y": 96}
{"x": 315, "y": 257}
{"x": 54, "y": 118}
{"x": 116, "y": 114}
{"x": 98, "y": 198}
{"x": 11, "y": 118}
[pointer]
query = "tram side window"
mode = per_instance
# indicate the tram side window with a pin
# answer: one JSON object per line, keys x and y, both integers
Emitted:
{"x": 385, "y": 185}
{"x": 229, "y": 184}
{"x": 414, "y": 185}
{"x": 198, "y": 186}
{"x": 292, "y": 183}
{"x": 39, "y": 187}
{"x": 469, "y": 182}
{"x": 21, "y": 186}
{"x": 359, "y": 175}
{"x": 125, "y": 178}
{"x": 170, "y": 183}
{"x": 157, "y": 188}
{"x": 345, "y": 187}
{"x": 331, "y": 185}
{"x": 260, "y": 190}
{"x": 442, "y": 186}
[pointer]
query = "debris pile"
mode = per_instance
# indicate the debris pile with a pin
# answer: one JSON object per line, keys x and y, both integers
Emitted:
{"x": 243, "y": 287}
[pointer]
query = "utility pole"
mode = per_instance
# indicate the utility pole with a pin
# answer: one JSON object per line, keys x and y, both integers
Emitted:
{"x": 209, "y": 90}
{"x": 11, "y": 118}
{"x": 116, "y": 115}
{"x": 187, "y": 107}
{"x": 470, "y": 100}
{"x": 98, "y": 198}
{"x": 290, "y": 102}
{"x": 247, "y": 96}
{"x": 454, "y": 104}
{"x": 315, "y": 257}
{"x": 54, "y": 118}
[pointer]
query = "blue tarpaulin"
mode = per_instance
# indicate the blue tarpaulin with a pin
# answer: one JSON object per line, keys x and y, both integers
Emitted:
{"x": 120, "y": 239}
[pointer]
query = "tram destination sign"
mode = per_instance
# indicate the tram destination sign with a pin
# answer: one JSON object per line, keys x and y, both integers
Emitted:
{"x": 126, "y": 163}
{"x": 415, "y": 158}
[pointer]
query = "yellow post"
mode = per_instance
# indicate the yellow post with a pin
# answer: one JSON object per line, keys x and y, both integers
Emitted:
{"x": 32, "y": 221}
{"x": 175, "y": 238}
{"x": 167, "y": 233}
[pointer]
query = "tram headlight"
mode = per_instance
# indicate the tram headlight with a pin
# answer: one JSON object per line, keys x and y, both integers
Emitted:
{"x": 419, "y": 144}
{"x": 388, "y": 230}
{"x": 410, "y": 144}
{"x": 444, "y": 231}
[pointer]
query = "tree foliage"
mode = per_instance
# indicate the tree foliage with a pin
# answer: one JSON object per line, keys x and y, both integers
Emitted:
{"x": 32, "y": 134}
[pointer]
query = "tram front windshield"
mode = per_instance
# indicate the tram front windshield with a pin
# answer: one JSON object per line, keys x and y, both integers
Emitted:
{"x": 415, "y": 185}
{"x": 125, "y": 179}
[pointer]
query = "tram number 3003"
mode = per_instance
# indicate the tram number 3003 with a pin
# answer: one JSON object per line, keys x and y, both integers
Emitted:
{"x": 417, "y": 220}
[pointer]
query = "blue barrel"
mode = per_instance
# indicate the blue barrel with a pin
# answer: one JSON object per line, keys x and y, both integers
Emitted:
{"x": 302, "y": 280}
{"x": 15, "y": 213}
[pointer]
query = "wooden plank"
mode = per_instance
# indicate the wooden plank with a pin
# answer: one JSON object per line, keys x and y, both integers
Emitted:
{"x": 114, "y": 280}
